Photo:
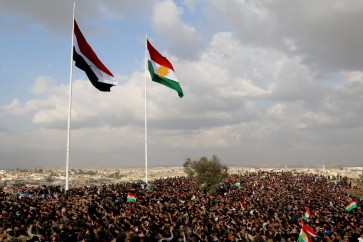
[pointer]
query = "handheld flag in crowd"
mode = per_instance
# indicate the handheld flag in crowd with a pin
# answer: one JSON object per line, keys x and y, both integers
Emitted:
{"x": 193, "y": 198}
{"x": 131, "y": 198}
{"x": 352, "y": 205}
{"x": 162, "y": 71}
{"x": 306, "y": 233}
{"x": 303, "y": 236}
{"x": 86, "y": 59}
{"x": 307, "y": 214}
{"x": 149, "y": 187}
{"x": 243, "y": 207}
{"x": 202, "y": 185}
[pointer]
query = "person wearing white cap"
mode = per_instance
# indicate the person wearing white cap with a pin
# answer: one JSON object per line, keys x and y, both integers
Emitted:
{"x": 10, "y": 234}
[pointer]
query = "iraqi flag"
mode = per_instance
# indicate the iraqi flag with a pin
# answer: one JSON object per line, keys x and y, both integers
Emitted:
{"x": 87, "y": 60}
{"x": 162, "y": 71}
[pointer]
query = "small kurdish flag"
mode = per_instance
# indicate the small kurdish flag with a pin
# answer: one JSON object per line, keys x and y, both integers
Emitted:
{"x": 131, "y": 198}
{"x": 352, "y": 205}
{"x": 237, "y": 184}
{"x": 185, "y": 215}
{"x": 243, "y": 207}
{"x": 162, "y": 71}
{"x": 149, "y": 187}
{"x": 194, "y": 198}
{"x": 307, "y": 214}
{"x": 202, "y": 185}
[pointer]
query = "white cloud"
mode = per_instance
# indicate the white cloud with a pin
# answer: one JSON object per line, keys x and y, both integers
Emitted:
{"x": 183, "y": 38}
{"x": 275, "y": 81}
{"x": 53, "y": 15}
{"x": 42, "y": 85}
{"x": 328, "y": 36}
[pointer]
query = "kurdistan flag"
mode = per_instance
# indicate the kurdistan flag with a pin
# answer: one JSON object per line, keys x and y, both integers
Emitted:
{"x": 309, "y": 230}
{"x": 185, "y": 215}
{"x": 162, "y": 71}
{"x": 306, "y": 232}
{"x": 237, "y": 184}
{"x": 194, "y": 198}
{"x": 307, "y": 214}
{"x": 304, "y": 237}
{"x": 202, "y": 185}
{"x": 243, "y": 207}
{"x": 352, "y": 205}
{"x": 131, "y": 198}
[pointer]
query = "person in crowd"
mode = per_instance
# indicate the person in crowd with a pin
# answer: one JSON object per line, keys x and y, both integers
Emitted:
{"x": 274, "y": 205}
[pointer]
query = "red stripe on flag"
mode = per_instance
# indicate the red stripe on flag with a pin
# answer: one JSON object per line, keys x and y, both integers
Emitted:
{"x": 157, "y": 57}
{"x": 87, "y": 51}
{"x": 309, "y": 230}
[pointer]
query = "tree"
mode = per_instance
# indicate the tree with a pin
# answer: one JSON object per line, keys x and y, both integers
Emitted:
{"x": 208, "y": 173}
{"x": 50, "y": 178}
{"x": 115, "y": 175}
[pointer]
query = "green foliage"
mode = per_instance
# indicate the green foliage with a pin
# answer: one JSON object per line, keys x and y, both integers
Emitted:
{"x": 210, "y": 173}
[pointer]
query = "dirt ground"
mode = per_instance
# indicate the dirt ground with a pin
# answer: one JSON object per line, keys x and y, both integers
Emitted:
{"x": 359, "y": 190}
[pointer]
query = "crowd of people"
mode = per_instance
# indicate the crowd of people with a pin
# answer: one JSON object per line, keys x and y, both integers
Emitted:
{"x": 179, "y": 209}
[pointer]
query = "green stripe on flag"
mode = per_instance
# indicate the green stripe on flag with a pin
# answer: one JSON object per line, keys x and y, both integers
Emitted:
{"x": 165, "y": 81}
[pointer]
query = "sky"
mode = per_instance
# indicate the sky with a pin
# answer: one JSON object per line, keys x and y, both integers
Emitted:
{"x": 266, "y": 83}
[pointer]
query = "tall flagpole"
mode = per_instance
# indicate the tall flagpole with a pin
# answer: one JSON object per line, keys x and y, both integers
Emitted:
{"x": 146, "y": 181}
{"x": 70, "y": 103}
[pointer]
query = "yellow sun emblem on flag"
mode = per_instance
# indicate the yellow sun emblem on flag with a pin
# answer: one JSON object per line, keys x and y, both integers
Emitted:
{"x": 162, "y": 71}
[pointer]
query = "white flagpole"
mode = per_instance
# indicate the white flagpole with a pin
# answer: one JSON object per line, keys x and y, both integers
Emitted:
{"x": 146, "y": 181}
{"x": 70, "y": 103}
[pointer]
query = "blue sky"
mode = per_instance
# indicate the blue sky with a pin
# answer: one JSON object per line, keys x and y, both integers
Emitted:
{"x": 265, "y": 83}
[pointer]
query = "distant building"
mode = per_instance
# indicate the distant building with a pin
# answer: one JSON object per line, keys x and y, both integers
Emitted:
{"x": 356, "y": 168}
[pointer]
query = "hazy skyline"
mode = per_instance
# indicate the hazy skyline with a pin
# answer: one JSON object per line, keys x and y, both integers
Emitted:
{"x": 265, "y": 82}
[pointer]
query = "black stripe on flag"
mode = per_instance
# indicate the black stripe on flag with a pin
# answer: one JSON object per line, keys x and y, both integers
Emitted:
{"x": 82, "y": 64}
